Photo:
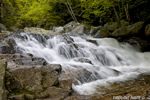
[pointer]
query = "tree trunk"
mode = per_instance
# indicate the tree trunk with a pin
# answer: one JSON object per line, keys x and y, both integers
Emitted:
{"x": 117, "y": 16}
{"x": 127, "y": 12}
{"x": 1, "y": 12}
{"x": 71, "y": 11}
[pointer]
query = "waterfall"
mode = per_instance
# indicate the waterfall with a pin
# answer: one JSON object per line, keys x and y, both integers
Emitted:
{"x": 93, "y": 62}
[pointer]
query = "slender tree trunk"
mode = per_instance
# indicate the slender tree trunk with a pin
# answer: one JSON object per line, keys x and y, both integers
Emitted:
{"x": 71, "y": 11}
{"x": 127, "y": 13}
{"x": 117, "y": 16}
{"x": 1, "y": 5}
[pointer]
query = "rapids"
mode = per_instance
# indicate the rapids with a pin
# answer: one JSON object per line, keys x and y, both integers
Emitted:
{"x": 93, "y": 62}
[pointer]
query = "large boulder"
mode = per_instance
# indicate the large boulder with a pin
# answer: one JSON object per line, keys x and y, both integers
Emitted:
{"x": 3, "y": 95}
{"x": 80, "y": 29}
{"x": 7, "y": 47}
{"x": 147, "y": 30}
{"x": 94, "y": 30}
{"x": 108, "y": 29}
{"x": 104, "y": 32}
{"x": 59, "y": 29}
{"x": 5, "y": 34}
{"x": 70, "y": 26}
{"x": 138, "y": 43}
{"x": 131, "y": 30}
{"x": 38, "y": 30}
{"x": 2, "y": 27}
{"x": 14, "y": 60}
{"x": 34, "y": 78}
{"x": 54, "y": 92}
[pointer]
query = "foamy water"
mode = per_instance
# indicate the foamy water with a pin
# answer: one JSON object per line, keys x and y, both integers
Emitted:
{"x": 97, "y": 62}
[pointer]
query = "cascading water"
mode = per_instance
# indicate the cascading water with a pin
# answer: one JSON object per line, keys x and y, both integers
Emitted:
{"x": 93, "y": 62}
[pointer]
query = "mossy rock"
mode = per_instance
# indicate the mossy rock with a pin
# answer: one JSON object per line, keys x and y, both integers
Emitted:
{"x": 147, "y": 30}
{"x": 3, "y": 93}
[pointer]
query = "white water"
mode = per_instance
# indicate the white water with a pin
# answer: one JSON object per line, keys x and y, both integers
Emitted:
{"x": 107, "y": 60}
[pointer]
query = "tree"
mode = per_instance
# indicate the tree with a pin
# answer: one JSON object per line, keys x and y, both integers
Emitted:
{"x": 71, "y": 11}
{"x": 1, "y": 9}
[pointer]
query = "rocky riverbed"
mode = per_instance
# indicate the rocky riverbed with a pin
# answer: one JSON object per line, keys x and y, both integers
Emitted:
{"x": 23, "y": 76}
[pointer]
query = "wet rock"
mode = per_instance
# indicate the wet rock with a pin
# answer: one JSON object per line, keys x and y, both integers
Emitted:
{"x": 137, "y": 87}
{"x": 81, "y": 97}
{"x": 2, "y": 27}
{"x": 83, "y": 60}
{"x": 94, "y": 30}
{"x": 93, "y": 41}
{"x": 35, "y": 78}
{"x": 135, "y": 28}
{"x": 4, "y": 34}
{"x": 108, "y": 29}
{"x": 17, "y": 97}
{"x": 81, "y": 29}
{"x": 130, "y": 30}
{"x": 139, "y": 44}
{"x": 12, "y": 84}
{"x": 29, "y": 97}
{"x": 59, "y": 29}
{"x": 54, "y": 92}
{"x": 53, "y": 98}
{"x": 120, "y": 32}
{"x": 7, "y": 47}
{"x": 104, "y": 32}
{"x": 70, "y": 26}
{"x": 69, "y": 77}
{"x": 18, "y": 59}
{"x": 147, "y": 30}
{"x": 65, "y": 81}
{"x": 72, "y": 98}
{"x": 38, "y": 30}
{"x": 3, "y": 94}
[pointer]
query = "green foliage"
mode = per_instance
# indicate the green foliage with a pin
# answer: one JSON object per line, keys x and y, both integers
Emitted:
{"x": 22, "y": 13}
{"x": 46, "y": 13}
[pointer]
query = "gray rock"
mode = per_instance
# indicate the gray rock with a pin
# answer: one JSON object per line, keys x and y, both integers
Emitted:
{"x": 17, "y": 59}
{"x": 81, "y": 29}
{"x": 83, "y": 60}
{"x": 17, "y": 97}
{"x": 107, "y": 29}
{"x": 133, "y": 29}
{"x": 2, "y": 27}
{"x": 138, "y": 43}
{"x": 7, "y": 47}
{"x": 5, "y": 34}
{"x": 38, "y": 30}
{"x": 29, "y": 97}
{"x": 54, "y": 92}
{"x": 70, "y": 26}
{"x": 3, "y": 94}
{"x": 120, "y": 32}
{"x": 65, "y": 82}
{"x": 36, "y": 78}
{"x": 53, "y": 98}
{"x": 147, "y": 30}
{"x": 94, "y": 30}
{"x": 59, "y": 29}
{"x": 12, "y": 83}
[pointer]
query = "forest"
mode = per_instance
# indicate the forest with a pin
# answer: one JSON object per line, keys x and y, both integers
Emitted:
{"x": 46, "y": 13}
